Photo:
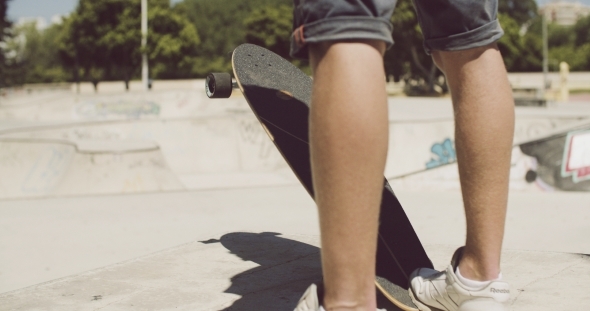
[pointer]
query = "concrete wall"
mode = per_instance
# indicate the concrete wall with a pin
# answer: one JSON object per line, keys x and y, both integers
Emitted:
{"x": 218, "y": 143}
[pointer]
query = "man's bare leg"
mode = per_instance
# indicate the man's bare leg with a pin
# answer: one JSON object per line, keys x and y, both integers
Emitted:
{"x": 348, "y": 137}
{"x": 484, "y": 129}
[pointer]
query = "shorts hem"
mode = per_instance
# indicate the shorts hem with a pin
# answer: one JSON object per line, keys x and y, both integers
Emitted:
{"x": 481, "y": 36}
{"x": 340, "y": 29}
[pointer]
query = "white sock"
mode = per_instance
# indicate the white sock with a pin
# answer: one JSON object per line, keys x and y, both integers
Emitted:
{"x": 475, "y": 284}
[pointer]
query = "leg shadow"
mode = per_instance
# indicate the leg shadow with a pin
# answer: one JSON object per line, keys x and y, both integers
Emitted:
{"x": 286, "y": 268}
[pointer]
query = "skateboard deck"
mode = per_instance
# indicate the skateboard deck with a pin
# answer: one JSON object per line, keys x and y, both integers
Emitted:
{"x": 279, "y": 94}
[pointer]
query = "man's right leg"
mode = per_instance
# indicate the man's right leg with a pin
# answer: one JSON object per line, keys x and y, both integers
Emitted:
{"x": 462, "y": 43}
{"x": 484, "y": 129}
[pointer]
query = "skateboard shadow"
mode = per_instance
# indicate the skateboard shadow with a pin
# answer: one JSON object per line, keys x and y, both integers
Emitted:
{"x": 286, "y": 268}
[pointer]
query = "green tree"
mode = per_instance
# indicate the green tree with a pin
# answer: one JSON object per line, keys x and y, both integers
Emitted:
{"x": 406, "y": 60}
{"x": 4, "y": 26}
{"x": 531, "y": 54}
{"x": 578, "y": 58}
{"x": 102, "y": 40}
{"x": 172, "y": 44}
{"x": 521, "y": 45}
{"x": 38, "y": 54}
{"x": 511, "y": 43}
{"x": 570, "y": 44}
{"x": 4, "y": 22}
{"x": 220, "y": 25}
{"x": 80, "y": 41}
{"x": 558, "y": 35}
{"x": 520, "y": 52}
{"x": 582, "y": 31}
{"x": 271, "y": 27}
{"x": 521, "y": 11}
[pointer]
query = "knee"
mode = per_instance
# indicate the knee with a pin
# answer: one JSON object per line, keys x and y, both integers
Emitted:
{"x": 445, "y": 60}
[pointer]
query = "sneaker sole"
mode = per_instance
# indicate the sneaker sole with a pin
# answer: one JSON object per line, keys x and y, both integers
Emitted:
{"x": 421, "y": 306}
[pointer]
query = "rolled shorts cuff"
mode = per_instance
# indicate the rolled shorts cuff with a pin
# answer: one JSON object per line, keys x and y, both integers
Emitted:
{"x": 481, "y": 36}
{"x": 339, "y": 29}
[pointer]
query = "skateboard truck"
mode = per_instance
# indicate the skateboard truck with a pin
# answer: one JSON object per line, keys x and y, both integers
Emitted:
{"x": 220, "y": 85}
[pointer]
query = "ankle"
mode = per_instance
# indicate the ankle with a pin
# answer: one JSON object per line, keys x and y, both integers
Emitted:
{"x": 347, "y": 304}
{"x": 478, "y": 270}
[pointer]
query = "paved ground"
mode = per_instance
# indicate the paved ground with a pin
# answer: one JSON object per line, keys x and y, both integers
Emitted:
{"x": 269, "y": 271}
{"x": 49, "y": 239}
{"x": 229, "y": 227}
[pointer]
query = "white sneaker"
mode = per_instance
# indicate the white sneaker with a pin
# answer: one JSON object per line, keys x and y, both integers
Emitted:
{"x": 432, "y": 290}
{"x": 310, "y": 302}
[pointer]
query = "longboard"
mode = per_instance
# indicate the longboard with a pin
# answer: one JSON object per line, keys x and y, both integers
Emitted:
{"x": 279, "y": 95}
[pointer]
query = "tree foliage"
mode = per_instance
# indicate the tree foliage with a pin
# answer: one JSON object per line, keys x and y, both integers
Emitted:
{"x": 521, "y": 11}
{"x": 520, "y": 52}
{"x": 102, "y": 40}
{"x": 38, "y": 54}
{"x": 172, "y": 44}
{"x": 4, "y": 26}
{"x": 221, "y": 27}
{"x": 407, "y": 60}
{"x": 271, "y": 27}
{"x": 571, "y": 45}
{"x": 582, "y": 31}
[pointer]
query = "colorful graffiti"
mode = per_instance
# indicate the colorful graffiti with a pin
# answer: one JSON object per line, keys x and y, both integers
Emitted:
{"x": 47, "y": 170}
{"x": 444, "y": 153}
{"x": 563, "y": 160}
{"x": 131, "y": 110}
{"x": 576, "y": 156}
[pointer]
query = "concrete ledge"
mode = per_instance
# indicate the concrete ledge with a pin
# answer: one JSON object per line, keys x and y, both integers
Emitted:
{"x": 92, "y": 146}
{"x": 268, "y": 271}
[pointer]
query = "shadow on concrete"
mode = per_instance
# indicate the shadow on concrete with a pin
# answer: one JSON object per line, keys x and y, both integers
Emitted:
{"x": 286, "y": 268}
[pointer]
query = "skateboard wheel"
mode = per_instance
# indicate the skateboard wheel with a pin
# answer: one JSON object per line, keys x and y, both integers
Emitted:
{"x": 218, "y": 85}
{"x": 531, "y": 176}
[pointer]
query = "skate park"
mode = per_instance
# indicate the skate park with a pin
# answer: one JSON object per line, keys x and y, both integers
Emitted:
{"x": 169, "y": 200}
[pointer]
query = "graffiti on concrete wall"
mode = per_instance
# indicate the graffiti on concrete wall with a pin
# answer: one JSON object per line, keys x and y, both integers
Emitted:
{"x": 47, "y": 170}
{"x": 576, "y": 156}
{"x": 252, "y": 132}
{"x": 443, "y": 153}
{"x": 256, "y": 149}
{"x": 129, "y": 109}
{"x": 563, "y": 160}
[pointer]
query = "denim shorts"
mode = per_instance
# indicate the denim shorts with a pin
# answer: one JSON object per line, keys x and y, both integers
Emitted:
{"x": 447, "y": 25}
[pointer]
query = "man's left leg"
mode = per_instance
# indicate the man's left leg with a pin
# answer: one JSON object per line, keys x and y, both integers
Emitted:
{"x": 348, "y": 140}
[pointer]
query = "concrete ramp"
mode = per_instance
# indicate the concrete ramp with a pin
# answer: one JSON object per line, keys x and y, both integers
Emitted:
{"x": 544, "y": 160}
{"x": 268, "y": 271}
{"x": 47, "y": 168}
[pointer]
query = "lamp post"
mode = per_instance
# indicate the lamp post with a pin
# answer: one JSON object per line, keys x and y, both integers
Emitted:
{"x": 144, "y": 34}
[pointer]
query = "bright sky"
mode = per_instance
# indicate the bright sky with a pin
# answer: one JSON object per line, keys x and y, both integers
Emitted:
{"x": 49, "y": 8}
{"x": 42, "y": 8}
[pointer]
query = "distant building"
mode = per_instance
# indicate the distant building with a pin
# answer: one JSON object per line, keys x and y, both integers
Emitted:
{"x": 563, "y": 12}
